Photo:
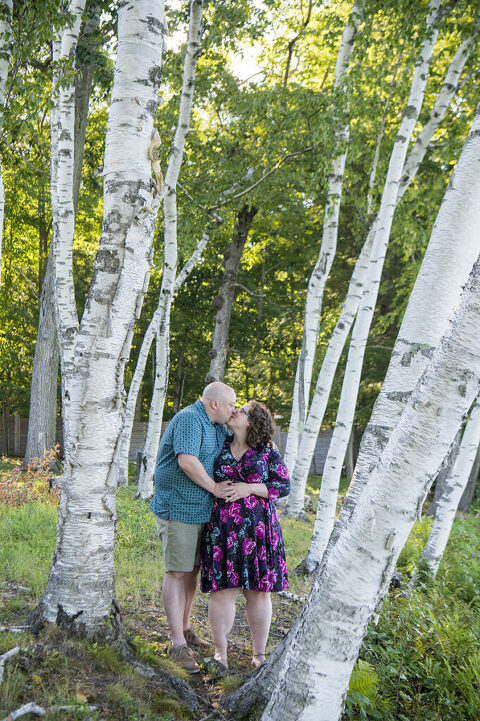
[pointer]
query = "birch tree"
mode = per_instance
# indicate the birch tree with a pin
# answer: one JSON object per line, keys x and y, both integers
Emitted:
{"x": 453, "y": 489}
{"x": 355, "y": 576}
{"x": 42, "y": 417}
{"x": 80, "y": 588}
{"x": 386, "y": 499}
{"x": 162, "y": 330}
{"x": 321, "y": 271}
{"x": 224, "y": 300}
{"x": 6, "y": 9}
{"x": 381, "y": 235}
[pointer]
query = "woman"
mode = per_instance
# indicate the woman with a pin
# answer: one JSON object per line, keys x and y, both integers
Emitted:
{"x": 242, "y": 545}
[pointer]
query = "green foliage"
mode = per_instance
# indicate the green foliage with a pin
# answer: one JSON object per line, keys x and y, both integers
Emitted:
{"x": 425, "y": 648}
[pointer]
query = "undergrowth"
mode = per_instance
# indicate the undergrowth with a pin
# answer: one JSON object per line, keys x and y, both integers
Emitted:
{"x": 421, "y": 662}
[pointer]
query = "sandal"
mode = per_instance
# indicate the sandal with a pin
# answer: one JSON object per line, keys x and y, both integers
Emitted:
{"x": 258, "y": 659}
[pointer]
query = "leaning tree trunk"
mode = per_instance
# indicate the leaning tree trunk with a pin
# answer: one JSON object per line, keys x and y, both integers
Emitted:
{"x": 321, "y": 271}
{"x": 147, "y": 341}
{"x": 452, "y": 492}
{"x": 6, "y": 8}
{"x": 42, "y": 416}
{"x": 469, "y": 492}
{"x": 444, "y": 473}
{"x": 154, "y": 427}
{"x": 350, "y": 307}
{"x": 443, "y": 273}
{"x": 356, "y": 574}
{"x": 80, "y": 588}
{"x": 224, "y": 300}
{"x": 344, "y": 422}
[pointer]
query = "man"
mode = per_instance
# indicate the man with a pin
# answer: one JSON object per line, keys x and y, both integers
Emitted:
{"x": 183, "y": 501}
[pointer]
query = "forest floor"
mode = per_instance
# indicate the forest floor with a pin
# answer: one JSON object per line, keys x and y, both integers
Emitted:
{"x": 419, "y": 662}
{"x": 54, "y": 670}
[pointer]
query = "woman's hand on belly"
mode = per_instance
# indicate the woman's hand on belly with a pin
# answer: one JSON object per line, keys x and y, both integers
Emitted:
{"x": 242, "y": 490}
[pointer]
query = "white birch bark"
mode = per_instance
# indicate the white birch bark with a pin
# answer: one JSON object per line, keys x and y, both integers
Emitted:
{"x": 356, "y": 574}
{"x": 6, "y": 9}
{"x": 455, "y": 485}
{"x": 349, "y": 310}
{"x": 382, "y": 226}
{"x": 154, "y": 427}
{"x": 80, "y": 588}
{"x": 150, "y": 333}
{"x": 62, "y": 128}
{"x": 321, "y": 271}
{"x": 443, "y": 273}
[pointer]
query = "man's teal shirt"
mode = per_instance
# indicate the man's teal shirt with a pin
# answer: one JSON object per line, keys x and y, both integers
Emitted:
{"x": 176, "y": 496}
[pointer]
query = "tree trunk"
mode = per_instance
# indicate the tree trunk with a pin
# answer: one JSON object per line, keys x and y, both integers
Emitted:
{"x": 80, "y": 588}
{"x": 224, "y": 300}
{"x": 345, "y": 415}
{"x": 87, "y": 48}
{"x": 444, "y": 271}
{"x": 6, "y": 8}
{"x": 444, "y": 473}
{"x": 150, "y": 334}
{"x": 42, "y": 418}
{"x": 356, "y": 574}
{"x": 180, "y": 378}
{"x": 453, "y": 490}
{"x": 155, "y": 417}
{"x": 469, "y": 492}
{"x": 318, "y": 279}
{"x": 350, "y": 307}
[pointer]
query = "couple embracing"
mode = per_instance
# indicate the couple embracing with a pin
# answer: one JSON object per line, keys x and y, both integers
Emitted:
{"x": 214, "y": 504}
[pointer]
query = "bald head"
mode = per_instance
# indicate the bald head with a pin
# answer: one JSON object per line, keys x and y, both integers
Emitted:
{"x": 219, "y": 401}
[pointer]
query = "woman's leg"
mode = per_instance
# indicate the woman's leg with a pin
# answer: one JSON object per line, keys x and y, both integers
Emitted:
{"x": 221, "y": 614}
{"x": 259, "y": 617}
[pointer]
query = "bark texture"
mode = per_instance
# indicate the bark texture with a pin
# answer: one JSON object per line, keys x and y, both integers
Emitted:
{"x": 80, "y": 588}
{"x": 452, "y": 492}
{"x": 224, "y": 300}
{"x": 42, "y": 418}
{"x": 451, "y": 252}
{"x": 321, "y": 271}
{"x": 155, "y": 417}
{"x": 356, "y": 574}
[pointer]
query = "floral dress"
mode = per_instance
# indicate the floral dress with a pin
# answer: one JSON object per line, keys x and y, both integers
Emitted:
{"x": 242, "y": 545}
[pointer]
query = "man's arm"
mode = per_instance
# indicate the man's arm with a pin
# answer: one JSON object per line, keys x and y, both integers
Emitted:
{"x": 195, "y": 470}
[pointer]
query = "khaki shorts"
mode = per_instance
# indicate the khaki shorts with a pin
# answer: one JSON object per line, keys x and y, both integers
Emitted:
{"x": 181, "y": 543}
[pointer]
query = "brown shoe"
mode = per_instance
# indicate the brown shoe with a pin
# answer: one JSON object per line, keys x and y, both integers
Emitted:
{"x": 183, "y": 657}
{"x": 195, "y": 642}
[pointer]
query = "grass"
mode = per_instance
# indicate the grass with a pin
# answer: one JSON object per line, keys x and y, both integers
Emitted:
{"x": 421, "y": 662}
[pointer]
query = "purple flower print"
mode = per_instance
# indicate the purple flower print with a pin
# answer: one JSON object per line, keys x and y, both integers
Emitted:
{"x": 238, "y": 519}
{"x": 262, "y": 553}
{"x": 214, "y": 585}
{"x": 228, "y": 471}
{"x": 248, "y": 545}
{"x": 234, "y": 510}
{"x": 271, "y": 577}
{"x": 229, "y": 542}
{"x": 282, "y": 472}
{"x": 265, "y": 584}
{"x": 260, "y": 530}
{"x": 224, "y": 514}
{"x": 229, "y": 568}
{"x": 250, "y": 501}
{"x": 217, "y": 553}
{"x": 275, "y": 539}
{"x": 273, "y": 494}
{"x": 234, "y": 579}
{"x": 254, "y": 478}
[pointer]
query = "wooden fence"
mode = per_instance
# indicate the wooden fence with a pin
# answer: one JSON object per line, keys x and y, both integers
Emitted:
{"x": 13, "y": 440}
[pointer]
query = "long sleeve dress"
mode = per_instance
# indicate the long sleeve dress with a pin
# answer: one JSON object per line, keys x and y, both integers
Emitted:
{"x": 242, "y": 545}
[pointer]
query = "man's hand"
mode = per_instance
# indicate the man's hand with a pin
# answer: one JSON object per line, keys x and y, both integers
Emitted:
{"x": 223, "y": 489}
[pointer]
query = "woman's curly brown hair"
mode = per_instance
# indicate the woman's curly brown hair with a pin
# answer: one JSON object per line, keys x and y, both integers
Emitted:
{"x": 261, "y": 427}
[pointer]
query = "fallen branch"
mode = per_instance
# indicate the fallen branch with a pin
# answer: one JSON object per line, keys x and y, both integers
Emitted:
{"x": 39, "y": 711}
{"x": 14, "y": 629}
{"x": 9, "y": 654}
